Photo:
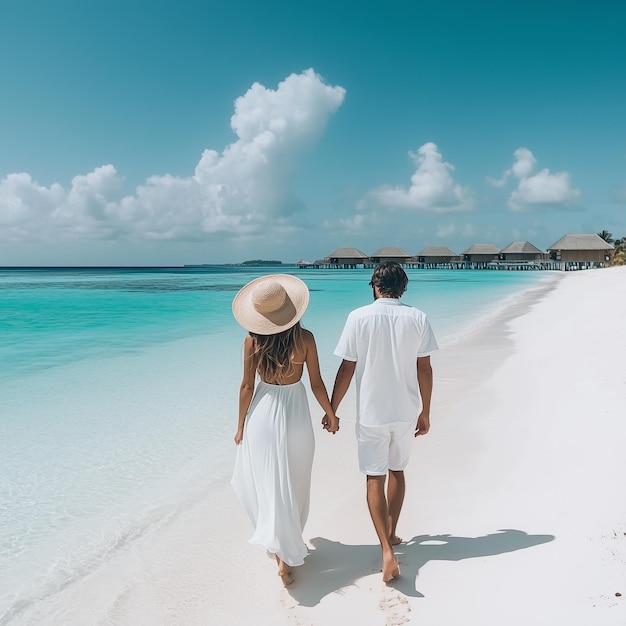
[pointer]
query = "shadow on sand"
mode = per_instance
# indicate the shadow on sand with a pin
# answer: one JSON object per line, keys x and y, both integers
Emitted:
{"x": 332, "y": 566}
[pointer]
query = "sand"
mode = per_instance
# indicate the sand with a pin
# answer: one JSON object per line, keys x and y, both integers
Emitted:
{"x": 515, "y": 510}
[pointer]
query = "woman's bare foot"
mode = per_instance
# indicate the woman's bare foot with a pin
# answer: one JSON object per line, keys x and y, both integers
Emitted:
{"x": 391, "y": 569}
{"x": 284, "y": 571}
{"x": 395, "y": 540}
{"x": 286, "y": 578}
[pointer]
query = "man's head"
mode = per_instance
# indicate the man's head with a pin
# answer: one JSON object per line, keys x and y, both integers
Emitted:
{"x": 390, "y": 280}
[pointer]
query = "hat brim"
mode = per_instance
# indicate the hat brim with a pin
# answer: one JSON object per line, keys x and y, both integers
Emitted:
{"x": 295, "y": 307}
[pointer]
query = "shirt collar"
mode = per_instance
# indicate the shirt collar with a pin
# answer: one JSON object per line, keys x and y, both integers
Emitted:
{"x": 392, "y": 301}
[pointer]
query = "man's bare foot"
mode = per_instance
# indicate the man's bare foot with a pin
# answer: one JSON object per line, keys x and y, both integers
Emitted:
{"x": 391, "y": 569}
{"x": 395, "y": 540}
{"x": 284, "y": 571}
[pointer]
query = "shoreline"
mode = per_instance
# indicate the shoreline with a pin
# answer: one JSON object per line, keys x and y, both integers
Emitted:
{"x": 474, "y": 475}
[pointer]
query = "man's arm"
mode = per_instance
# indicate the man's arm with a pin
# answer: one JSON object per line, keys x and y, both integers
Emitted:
{"x": 425, "y": 382}
{"x": 342, "y": 382}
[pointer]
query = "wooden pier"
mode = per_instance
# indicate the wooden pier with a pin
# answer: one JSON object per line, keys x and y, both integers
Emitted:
{"x": 518, "y": 266}
{"x": 570, "y": 253}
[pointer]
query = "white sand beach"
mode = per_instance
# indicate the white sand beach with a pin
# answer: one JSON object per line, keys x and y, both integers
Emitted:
{"x": 515, "y": 510}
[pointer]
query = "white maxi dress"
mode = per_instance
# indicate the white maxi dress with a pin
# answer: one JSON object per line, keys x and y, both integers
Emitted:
{"x": 272, "y": 476}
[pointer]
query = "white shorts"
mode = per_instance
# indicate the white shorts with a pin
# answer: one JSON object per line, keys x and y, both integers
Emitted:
{"x": 384, "y": 448}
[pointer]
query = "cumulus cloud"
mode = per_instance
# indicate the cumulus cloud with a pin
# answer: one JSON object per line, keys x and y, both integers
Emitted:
{"x": 540, "y": 189}
{"x": 432, "y": 187}
{"x": 543, "y": 188}
{"x": 235, "y": 193}
{"x": 523, "y": 166}
{"x": 383, "y": 210}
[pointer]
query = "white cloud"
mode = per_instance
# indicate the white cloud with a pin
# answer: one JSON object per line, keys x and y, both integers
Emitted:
{"x": 541, "y": 189}
{"x": 389, "y": 211}
{"x": 524, "y": 163}
{"x": 432, "y": 188}
{"x": 26, "y": 206}
{"x": 235, "y": 193}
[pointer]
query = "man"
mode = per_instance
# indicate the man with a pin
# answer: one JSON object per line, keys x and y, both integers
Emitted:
{"x": 388, "y": 344}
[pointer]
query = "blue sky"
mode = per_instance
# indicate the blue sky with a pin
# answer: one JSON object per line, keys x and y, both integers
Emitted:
{"x": 196, "y": 132}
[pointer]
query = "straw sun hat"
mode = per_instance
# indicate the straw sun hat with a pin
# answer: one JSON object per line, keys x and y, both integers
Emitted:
{"x": 271, "y": 304}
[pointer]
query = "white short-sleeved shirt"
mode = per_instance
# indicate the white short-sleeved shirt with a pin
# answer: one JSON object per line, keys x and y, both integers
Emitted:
{"x": 385, "y": 339}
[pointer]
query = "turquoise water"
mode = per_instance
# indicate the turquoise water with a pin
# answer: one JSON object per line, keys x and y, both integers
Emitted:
{"x": 118, "y": 397}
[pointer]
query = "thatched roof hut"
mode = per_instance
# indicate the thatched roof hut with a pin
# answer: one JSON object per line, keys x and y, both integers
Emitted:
{"x": 521, "y": 251}
{"x": 347, "y": 257}
{"x": 437, "y": 254}
{"x": 390, "y": 253}
{"x": 583, "y": 248}
{"x": 481, "y": 253}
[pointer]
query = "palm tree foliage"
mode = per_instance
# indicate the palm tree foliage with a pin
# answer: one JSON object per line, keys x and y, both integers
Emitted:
{"x": 607, "y": 236}
{"x": 619, "y": 254}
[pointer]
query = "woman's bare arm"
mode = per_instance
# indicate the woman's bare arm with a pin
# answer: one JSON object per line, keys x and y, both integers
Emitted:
{"x": 246, "y": 390}
{"x": 317, "y": 384}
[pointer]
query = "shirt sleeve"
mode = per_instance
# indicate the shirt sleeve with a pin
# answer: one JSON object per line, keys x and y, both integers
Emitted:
{"x": 346, "y": 347}
{"x": 428, "y": 344}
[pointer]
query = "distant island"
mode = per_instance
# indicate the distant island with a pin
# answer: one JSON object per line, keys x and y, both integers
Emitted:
{"x": 250, "y": 263}
{"x": 260, "y": 263}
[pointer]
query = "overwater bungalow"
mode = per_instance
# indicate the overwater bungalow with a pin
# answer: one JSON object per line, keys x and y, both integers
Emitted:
{"x": 302, "y": 264}
{"x": 437, "y": 257}
{"x": 480, "y": 255}
{"x": 570, "y": 252}
{"x": 347, "y": 258}
{"x": 521, "y": 255}
{"x": 391, "y": 253}
{"x": 581, "y": 251}
{"x": 522, "y": 251}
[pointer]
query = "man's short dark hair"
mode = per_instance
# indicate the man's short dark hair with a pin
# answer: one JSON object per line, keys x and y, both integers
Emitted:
{"x": 390, "y": 278}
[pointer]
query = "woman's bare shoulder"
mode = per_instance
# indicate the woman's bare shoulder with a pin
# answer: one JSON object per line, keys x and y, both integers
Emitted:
{"x": 307, "y": 337}
{"x": 248, "y": 343}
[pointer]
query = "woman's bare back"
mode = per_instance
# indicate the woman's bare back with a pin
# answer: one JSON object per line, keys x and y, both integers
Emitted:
{"x": 298, "y": 360}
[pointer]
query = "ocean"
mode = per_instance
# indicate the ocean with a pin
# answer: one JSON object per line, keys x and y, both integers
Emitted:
{"x": 118, "y": 397}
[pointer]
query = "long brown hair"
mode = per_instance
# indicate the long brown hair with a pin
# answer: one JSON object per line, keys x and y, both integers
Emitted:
{"x": 272, "y": 354}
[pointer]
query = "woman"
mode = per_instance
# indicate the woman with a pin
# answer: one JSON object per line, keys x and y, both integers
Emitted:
{"x": 272, "y": 476}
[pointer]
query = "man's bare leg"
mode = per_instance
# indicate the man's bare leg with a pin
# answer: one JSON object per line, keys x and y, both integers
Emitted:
{"x": 379, "y": 512}
{"x": 395, "y": 498}
{"x": 284, "y": 571}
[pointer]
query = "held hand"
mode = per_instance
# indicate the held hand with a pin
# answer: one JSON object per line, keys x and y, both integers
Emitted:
{"x": 330, "y": 423}
{"x": 239, "y": 436}
{"x": 423, "y": 424}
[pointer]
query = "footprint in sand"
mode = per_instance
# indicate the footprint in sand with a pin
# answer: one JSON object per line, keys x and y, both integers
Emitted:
{"x": 395, "y": 607}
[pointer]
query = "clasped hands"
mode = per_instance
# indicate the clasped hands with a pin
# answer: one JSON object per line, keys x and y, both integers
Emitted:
{"x": 330, "y": 423}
